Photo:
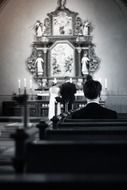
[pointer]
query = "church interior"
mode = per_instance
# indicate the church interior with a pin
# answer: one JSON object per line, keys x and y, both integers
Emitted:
{"x": 41, "y": 43}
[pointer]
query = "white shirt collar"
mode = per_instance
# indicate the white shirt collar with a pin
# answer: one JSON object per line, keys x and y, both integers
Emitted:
{"x": 93, "y": 101}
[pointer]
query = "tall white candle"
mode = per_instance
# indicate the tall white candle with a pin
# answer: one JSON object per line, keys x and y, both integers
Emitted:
{"x": 24, "y": 82}
{"x": 31, "y": 85}
{"x": 19, "y": 83}
{"x": 106, "y": 83}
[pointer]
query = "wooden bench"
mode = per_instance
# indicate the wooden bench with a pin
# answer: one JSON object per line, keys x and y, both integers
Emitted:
{"x": 85, "y": 130}
{"x": 91, "y": 123}
{"x": 63, "y": 181}
{"x": 94, "y": 120}
{"x": 83, "y": 157}
{"x": 105, "y": 133}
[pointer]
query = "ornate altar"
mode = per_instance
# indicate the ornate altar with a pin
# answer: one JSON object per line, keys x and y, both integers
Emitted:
{"x": 61, "y": 41}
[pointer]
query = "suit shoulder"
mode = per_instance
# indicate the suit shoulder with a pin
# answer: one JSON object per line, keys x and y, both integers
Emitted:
{"x": 77, "y": 113}
{"x": 111, "y": 112}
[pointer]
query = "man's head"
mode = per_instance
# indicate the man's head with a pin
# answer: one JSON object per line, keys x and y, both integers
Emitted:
{"x": 92, "y": 89}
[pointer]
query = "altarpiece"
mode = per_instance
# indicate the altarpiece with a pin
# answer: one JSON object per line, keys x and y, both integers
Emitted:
{"x": 61, "y": 41}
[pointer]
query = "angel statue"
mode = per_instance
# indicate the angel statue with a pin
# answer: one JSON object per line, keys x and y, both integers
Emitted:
{"x": 85, "y": 30}
{"x": 38, "y": 28}
{"x": 39, "y": 63}
{"x": 85, "y": 61}
{"x": 61, "y": 4}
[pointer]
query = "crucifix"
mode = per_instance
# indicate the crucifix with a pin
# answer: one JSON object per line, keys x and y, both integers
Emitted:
{"x": 61, "y": 4}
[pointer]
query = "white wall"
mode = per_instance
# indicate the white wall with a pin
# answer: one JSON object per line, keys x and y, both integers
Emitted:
{"x": 109, "y": 35}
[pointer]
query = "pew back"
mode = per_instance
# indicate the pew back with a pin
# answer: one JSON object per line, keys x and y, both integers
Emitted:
{"x": 87, "y": 133}
{"x": 82, "y": 157}
{"x": 94, "y": 123}
{"x": 99, "y": 129}
{"x": 95, "y": 120}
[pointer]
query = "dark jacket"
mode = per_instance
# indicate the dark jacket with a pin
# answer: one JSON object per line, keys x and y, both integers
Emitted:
{"x": 67, "y": 91}
{"x": 94, "y": 111}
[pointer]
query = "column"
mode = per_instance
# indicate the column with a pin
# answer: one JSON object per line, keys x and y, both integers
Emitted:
{"x": 45, "y": 61}
{"x": 79, "y": 61}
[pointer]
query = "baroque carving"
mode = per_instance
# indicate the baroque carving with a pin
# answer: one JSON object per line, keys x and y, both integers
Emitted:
{"x": 64, "y": 29}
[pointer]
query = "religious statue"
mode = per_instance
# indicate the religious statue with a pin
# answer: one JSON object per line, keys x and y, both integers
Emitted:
{"x": 85, "y": 61}
{"x": 85, "y": 29}
{"x": 38, "y": 28}
{"x": 39, "y": 65}
{"x": 61, "y": 4}
{"x": 58, "y": 40}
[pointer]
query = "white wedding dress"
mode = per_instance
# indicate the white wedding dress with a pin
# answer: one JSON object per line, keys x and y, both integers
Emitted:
{"x": 53, "y": 93}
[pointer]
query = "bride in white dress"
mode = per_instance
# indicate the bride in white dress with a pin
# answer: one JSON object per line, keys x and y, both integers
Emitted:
{"x": 54, "y": 92}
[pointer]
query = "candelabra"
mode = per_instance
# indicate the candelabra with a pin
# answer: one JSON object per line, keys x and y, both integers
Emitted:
{"x": 22, "y": 101}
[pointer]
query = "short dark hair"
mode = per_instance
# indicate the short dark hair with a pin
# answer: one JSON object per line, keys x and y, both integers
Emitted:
{"x": 92, "y": 89}
{"x": 89, "y": 77}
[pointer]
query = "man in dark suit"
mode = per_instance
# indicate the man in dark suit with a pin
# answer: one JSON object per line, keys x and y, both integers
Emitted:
{"x": 67, "y": 92}
{"x": 92, "y": 90}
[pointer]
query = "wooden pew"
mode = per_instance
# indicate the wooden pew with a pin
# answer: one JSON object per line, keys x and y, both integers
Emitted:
{"x": 83, "y": 157}
{"x": 85, "y": 130}
{"x": 92, "y": 123}
{"x": 104, "y": 133}
{"x": 62, "y": 181}
{"x": 94, "y": 120}
{"x": 113, "y": 133}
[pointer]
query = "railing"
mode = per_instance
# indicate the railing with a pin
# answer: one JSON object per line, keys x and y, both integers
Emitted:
{"x": 38, "y": 105}
{"x": 37, "y": 108}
